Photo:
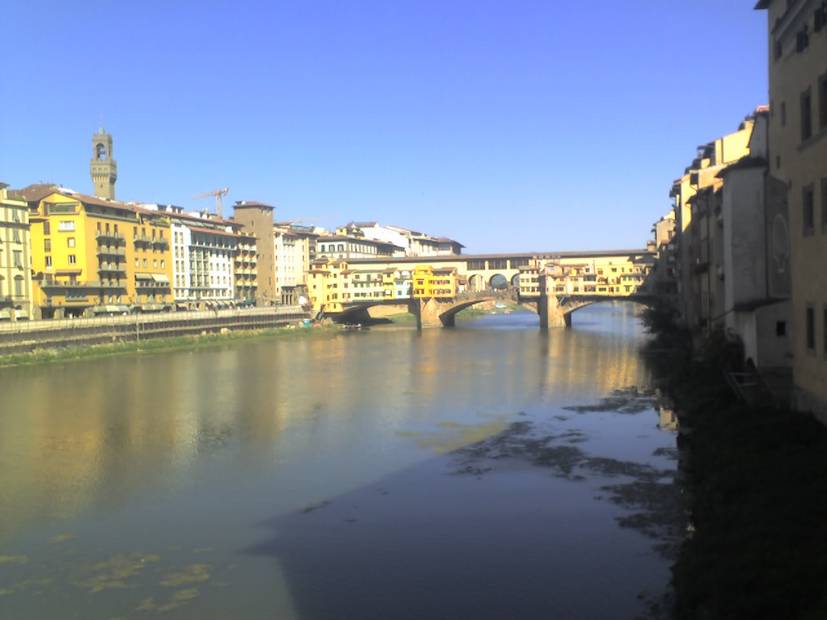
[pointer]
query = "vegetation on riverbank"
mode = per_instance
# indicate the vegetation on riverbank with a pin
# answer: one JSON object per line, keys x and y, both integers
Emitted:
{"x": 499, "y": 307}
{"x": 154, "y": 345}
{"x": 757, "y": 494}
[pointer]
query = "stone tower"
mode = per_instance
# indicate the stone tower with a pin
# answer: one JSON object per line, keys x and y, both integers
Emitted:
{"x": 103, "y": 168}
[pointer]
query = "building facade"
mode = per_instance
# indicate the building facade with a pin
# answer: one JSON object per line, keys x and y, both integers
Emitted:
{"x": 409, "y": 242}
{"x": 256, "y": 220}
{"x": 346, "y": 248}
{"x": 246, "y": 270}
{"x": 93, "y": 256}
{"x": 15, "y": 259}
{"x": 204, "y": 248}
{"x": 293, "y": 254}
{"x": 700, "y": 175}
{"x": 797, "y": 46}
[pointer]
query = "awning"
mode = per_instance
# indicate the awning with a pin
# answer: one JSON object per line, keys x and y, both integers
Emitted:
{"x": 143, "y": 276}
{"x": 160, "y": 277}
{"x": 111, "y": 309}
{"x": 68, "y": 271}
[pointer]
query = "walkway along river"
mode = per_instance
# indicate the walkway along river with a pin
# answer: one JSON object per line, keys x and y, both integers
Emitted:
{"x": 490, "y": 471}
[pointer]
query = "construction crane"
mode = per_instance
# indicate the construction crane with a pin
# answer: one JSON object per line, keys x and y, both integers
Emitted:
{"x": 219, "y": 194}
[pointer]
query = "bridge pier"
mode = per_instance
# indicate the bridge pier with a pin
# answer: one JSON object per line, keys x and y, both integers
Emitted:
{"x": 551, "y": 312}
{"x": 429, "y": 313}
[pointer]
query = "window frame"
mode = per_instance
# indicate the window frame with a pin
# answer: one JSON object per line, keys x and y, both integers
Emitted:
{"x": 810, "y": 328}
{"x": 822, "y": 101}
{"x": 806, "y": 120}
{"x": 808, "y": 191}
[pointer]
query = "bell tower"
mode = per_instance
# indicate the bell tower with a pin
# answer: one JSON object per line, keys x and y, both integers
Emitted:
{"x": 103, "y": 168}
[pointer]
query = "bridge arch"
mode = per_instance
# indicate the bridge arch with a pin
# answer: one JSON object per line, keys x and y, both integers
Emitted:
{"x": 570, "y": 305}
{"x": 448, "y": 318}
{"x": 498, "y": 282}
{"x": 515, "y": 280}
{"x": 476, "y": 283}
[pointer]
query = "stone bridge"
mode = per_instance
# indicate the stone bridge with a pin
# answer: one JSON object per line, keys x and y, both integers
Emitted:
{"x": 553, "y": 310}
{"x": 443, "y": 312}
{"x": 556, "y": 310}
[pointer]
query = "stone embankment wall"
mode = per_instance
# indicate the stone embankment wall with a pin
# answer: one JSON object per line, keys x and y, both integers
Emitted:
{"x": 25, "y": 336}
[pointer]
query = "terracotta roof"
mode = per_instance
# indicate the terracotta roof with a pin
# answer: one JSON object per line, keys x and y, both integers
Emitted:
{"x": 193, "y": 218}
{"x": 33, "y": 193}
{"x": 212, "y": 231}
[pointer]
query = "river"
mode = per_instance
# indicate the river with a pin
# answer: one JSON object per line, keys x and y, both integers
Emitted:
{"x": 487, "y": 471}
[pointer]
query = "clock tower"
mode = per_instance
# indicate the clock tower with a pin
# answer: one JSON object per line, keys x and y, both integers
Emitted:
{"x": 103, "y": 168}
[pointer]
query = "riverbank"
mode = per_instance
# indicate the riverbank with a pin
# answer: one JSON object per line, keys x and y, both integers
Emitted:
{"x": 757, "y": 545}
{"x": 155, "y": 345}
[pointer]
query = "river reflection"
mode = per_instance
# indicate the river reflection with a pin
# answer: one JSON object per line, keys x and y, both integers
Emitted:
{"x": 156, "y": 457}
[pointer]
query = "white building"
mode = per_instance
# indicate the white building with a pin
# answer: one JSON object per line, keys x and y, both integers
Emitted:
{"x": 412, "y": 243}
{"x": 294, "y": 248}
{"x": 204, "y": 248}
{"x": 346, "y": 247}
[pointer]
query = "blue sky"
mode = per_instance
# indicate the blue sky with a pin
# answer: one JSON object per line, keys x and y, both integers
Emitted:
{"x": 509, "y": 125}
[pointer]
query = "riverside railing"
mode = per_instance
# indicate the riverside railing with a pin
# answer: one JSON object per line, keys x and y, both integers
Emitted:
{"x": 30, "y": 335}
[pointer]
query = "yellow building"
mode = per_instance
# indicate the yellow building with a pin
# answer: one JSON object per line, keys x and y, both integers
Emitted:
{"x": 94, "y": 256}
{"x": 797, "y": 49}
{"x": 15, "y": 258}
{"x": 611, "y": 276}
{"x": 702, "y": 173}
{"x": 434, "y": 282}
{"x": 328, "y": 284}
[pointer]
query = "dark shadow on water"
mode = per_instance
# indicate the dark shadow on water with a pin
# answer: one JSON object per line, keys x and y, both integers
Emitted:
{"x": 506, "y": 528}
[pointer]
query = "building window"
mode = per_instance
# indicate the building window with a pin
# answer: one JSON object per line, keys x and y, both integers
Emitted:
{"x": 70, "y": 241}
{"x": 46, "y": 228}
{"x": 808, "y": 211}
{"x": 810, "y": 325}
{"x": 781, "y": 328}
{"x": 806, "y": 115}
{"x": 802, "y": 39}
{"x": 822, "y": 102}
{"x": 783, "y": 113}
{"x": 73, "y": 259}
{"x": 66, "y": 226}
{"x": 18, "y": 287}
{"x": 824, "y": 205}
{"x": 15, "y": 235}
{"x": 17, "y": 256}
{"x": 48, "y": 261}
{"x": 824, "y": 329}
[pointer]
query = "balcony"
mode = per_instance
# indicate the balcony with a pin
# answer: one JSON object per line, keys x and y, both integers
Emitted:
{"x": 112, "y": 284}
{"x": 112, "y": 268}
{"x": 105, "y": 236}
{"x": 141, "y": 240}
{"x": 56, "y": 284}
{"x": 110, "y": 251}
{"x": 160, "y": 242}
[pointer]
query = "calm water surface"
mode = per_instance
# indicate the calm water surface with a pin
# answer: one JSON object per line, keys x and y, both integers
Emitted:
{"x": 385, "y": 474}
